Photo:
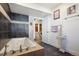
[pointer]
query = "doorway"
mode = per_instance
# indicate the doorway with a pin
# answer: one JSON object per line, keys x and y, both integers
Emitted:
{"x": 38, "y": 31}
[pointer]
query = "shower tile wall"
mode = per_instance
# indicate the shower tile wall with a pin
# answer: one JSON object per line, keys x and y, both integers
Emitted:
{"x": 19, "y": 29}
{"x": 4, "y": 23}
{"x": 11, "y": 30}
{"x": 4, "y": 27}
{"x": 19, "y": 17}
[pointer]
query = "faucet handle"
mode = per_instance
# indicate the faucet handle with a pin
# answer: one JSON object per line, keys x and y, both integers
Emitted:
{"x": 20, "y": 48}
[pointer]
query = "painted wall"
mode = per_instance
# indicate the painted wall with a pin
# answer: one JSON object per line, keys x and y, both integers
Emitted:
{"x": 31, "y": 28}
{"x": 51, "y": 38}
{"x": 70, "y": 31}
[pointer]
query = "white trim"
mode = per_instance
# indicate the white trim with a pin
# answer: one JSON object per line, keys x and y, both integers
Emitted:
{"x": 62, "y": 50}
{"x": 21, "y": 22}
{"x": 71, "y": 52}
{"x": 35, "y": 6}
{"x": 50, "y": 44}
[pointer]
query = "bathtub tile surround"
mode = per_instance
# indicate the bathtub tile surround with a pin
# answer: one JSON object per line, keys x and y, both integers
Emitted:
{"x": 37, "y": 50}
{"x": 14, "y": 44}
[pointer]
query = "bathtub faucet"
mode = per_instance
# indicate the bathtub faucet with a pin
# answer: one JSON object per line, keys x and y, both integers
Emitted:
{"x": 5, "y": 51}
{"x": 20, "y": 48}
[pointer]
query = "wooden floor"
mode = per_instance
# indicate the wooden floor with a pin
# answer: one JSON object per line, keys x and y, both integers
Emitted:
{"x": 52, "y": 51}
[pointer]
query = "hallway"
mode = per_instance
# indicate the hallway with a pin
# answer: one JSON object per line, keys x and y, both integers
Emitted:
{"x": 52, "y": 51}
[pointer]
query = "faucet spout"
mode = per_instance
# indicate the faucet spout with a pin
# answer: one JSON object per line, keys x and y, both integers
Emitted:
{"x": 5, "y": 51}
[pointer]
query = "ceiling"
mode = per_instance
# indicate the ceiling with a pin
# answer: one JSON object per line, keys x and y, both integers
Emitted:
{"x": 49, "y": 5}
{"x": 16, "y": 8}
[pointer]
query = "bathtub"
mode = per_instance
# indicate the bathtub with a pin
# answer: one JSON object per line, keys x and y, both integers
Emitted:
{"x": 14, "y": 44}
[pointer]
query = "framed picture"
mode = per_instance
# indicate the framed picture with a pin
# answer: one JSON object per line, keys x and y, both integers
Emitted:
{"x": 57, "y": 14}
{"x": 54, "y": 29}
{"x": 71, "y": 10}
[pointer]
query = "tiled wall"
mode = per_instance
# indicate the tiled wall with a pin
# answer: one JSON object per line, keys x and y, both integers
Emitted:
{"x": 19, "y": 17}
{"x": 4, "y": 28}
{"x": 20, "y": 26}
{"x": 8, "y": 30}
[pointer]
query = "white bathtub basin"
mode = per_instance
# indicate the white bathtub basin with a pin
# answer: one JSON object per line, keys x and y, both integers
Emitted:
{"x": 14, "y": 44}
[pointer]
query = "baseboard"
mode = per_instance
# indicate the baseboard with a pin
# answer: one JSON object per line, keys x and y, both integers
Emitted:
{"x": 75, "y": 53}
{"x": 51, "y": 45}
{"x": 62, "y": 50}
